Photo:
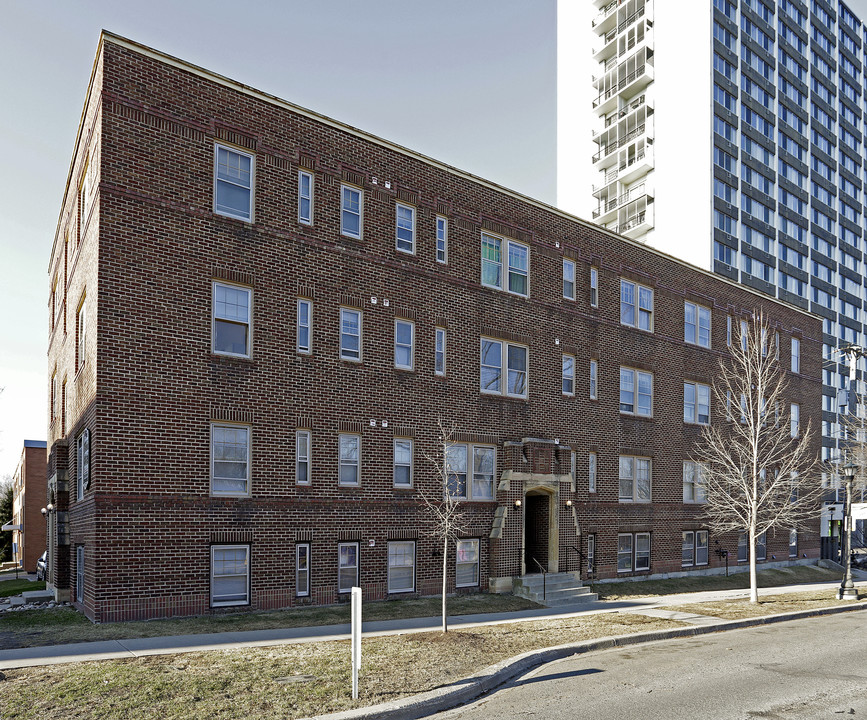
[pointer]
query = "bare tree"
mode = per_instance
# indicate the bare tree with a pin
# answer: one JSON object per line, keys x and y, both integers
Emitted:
{"x": 443, "y": 506}
{"x": 758, "y": 469}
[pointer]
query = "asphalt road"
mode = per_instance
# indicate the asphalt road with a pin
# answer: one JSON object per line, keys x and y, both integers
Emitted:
{"x": 810, "y": 669}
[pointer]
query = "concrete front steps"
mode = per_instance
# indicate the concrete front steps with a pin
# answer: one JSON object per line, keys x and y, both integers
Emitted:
{"x": 554, "y": 590}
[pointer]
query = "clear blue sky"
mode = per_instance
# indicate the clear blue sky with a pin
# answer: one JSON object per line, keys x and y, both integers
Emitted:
{"x": 469, "y": 82}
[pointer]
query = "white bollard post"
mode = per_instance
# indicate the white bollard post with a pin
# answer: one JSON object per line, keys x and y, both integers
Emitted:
{"x": 355, "y": 612}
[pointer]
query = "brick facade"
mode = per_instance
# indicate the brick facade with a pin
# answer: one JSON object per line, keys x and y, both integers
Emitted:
{"x": 150, "y": 387}
{"x": 28, "y": 499}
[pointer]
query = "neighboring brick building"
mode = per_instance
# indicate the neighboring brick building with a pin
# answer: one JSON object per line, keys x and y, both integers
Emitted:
{"x": 28, "y": 500}
{"x": 258, "y": 316}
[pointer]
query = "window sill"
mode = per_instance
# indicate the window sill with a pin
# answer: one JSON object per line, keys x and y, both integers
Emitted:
{"x": 235, "y": 218}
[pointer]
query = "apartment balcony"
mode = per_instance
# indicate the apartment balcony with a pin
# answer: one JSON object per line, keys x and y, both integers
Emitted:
{"x": 631, "y": 167}
{"x": 624, "y": 112}
{"x": 606, "y": 19}
{"x": 608, "y": 178}
{"x": 631, "y": 84}
{"x": 639, "y": 195}
{"x": 619, "y": 143}
{"x": 637, "y": 225}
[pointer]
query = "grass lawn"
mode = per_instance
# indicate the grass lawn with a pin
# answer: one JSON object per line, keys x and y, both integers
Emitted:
{"x": 255, "y": 683}
{"x": 30, "y": 628}
{"x": 767, "y": 605}
{"x": 766, "y": 578}
{"x": 16, "y": 587}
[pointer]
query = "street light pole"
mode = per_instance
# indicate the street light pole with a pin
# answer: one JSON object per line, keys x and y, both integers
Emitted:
{"x": 847, "y": 589}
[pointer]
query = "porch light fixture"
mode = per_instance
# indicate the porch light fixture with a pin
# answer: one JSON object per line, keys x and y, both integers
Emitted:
{"x": 568, "y": 503}
{"x": 517, "y": 503}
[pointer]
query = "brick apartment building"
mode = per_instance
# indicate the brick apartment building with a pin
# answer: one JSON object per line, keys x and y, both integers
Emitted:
{"x": 259, "y": 313}
{"x": 28, "y": 499}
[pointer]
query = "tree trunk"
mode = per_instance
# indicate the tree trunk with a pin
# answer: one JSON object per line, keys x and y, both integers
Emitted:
{"x": 754, "y": 585}
{"x": 445, "y": 581}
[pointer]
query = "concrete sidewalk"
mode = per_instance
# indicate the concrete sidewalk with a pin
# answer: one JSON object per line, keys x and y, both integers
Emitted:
{"x": 138, "y": 647}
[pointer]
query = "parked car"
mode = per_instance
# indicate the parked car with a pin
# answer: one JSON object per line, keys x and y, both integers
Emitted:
{"x": 40, "y": 566}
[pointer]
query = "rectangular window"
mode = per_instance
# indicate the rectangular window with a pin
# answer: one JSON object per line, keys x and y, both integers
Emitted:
{"x": 405, "y": 233}
{"x": 568, "y": 384}
{"x": 350, "y": 460}
{"x": 499, "y": 359}
{"x": 402, "y": 462}
{"x": 54, "y": 396}
{"x": 230, "y": 459}
{"x": 467, "y": 563}
{"x": 795, "y": 416}
{"x": 442, "y": 240}
{"x": 762, "y": 546}
{"x": 347, "y": 566}
{"x": 302, "y": 569}
{"x": 401, "y": 566}
{"x": 793, "y": 543}
{"x": 350, "y": 334}
{"x": 694, "y": 548}
{"x": 569, "y": 279}
{"x": 233, "y": 183}
{"x": 482, "y": 486}
{"x": 745, "y": 334}
{"x": 636, "y": 392}
{"x": 594, "y": 287}
{"x": 633, "y": 551}
{"x": 302, "y": 457}
{"x": 82, "y": 463}
{"x": 594, "y": 379}
{"x": 79, "y": 573}
{"x": 440, "y": 352}
{"x": 232, "y": 327}
{"x": 743, "y": 548}
{"x": 624, "y": 553}
{"x": 305, "y": 197}
{"x": 230, "y": 575}
{"x": 635, "y": 479}
{"x": 696, "y": 324}
{"x": 636, "y": 311}
{"x": 729, "y": 330}
{"x": 350, "y": 211}
{"x": 305, "y": 308}
{"x": 796, "y": 355}
{"x": 517, "y": 264}
{"x": 404, "y": 332}
{"x": 693, "y": 484}
{"x": 591, "y": 473}
{"x": 696, "y": 403}
{"x": 81, "y": 334}
{"x": 688, "y": 553}
{"x": 591, "y": 553}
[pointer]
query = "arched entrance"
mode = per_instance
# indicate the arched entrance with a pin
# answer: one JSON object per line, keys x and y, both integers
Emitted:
{"x": 541, "y": 532}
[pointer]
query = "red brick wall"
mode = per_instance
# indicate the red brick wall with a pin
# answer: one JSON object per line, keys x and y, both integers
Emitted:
{"x": 148, "y": 519}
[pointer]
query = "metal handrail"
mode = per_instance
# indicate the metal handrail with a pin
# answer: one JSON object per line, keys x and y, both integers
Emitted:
{"x": 631, "y": 77}
{"x": 544, "y": 578}
{"x": 620, "y": 142}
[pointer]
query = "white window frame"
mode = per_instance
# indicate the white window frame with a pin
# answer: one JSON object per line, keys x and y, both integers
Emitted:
{"x": 467, "y": 557}
{"x": 79, "y": 573}
{"x": 440, "y": 351}
{"x": 795, "y": 419}
{"x": 393, "y": 566}
{"x": 82, "y": 463}
{"x": 594, "y": 287}
{"x": 567, "y": 384}
{"x": 342, "y": 567}
{"x": 302, "y": 570}
{"x": 215, "y": 479}
{"x": 592, "y": 468}
{"x": 743, "y": 547}
{"x": 629, "y": 469}
{"x": 302, "y": 197}
{"x": 302, "y": 456}
{"x": 594, "y": 379}
{"x": 696, "y": 406}
{"x": 300, "y": 325}
{"x": 465, "y": 472}
{"x": 694, "y": 491}
{"x": 635, "y": 407}
{"x": 793, "y": 543}
{"x": 697, "y": 326}
{"x": 403, "y": 463}
{"x": 247, "y": 323}
{"x": 504, "y": 369}
{"x": 442, "y": 248}
{"x": 762, "y": 546}
{"x": 504, "y": 267}
{"x": 347, "y": 461}
{"x": 728, "y": 330}
{"x": 591, "y": 553}
{"x": 568, "y": 279}
{"x": 692, "y": 543}
{"x": 398, "y": 345}
{"x": 633, "y": 552}
{"x": 224, "y": 210}
{"x": 745, "y": 333}
{"x": 81, "y": 333}
{"x": 796, "y": 355}
{"x": 404, "y": 228}
{"x": 345, "y": 352}
{"x": 348, "y": 210}
{"x": 642, "y": 315}
{"x": 245, "y": 600}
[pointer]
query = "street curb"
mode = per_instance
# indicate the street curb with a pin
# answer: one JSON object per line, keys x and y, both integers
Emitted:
{"x": 493, "y": 676}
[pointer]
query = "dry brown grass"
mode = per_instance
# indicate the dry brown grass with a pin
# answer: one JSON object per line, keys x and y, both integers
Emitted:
{"x": 767, "y": 605}
{"x": 251, "y": 683}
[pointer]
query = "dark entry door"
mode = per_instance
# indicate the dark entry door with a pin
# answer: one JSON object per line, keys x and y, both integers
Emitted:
{"x": 536, "y": 533}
